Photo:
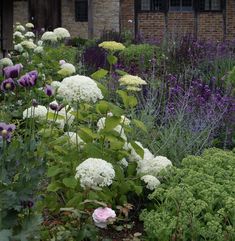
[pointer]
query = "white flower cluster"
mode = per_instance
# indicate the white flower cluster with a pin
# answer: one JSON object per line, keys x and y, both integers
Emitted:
{"x": 28, "y": 44}
{"x": 29, "y": 35}
{"x": 18, "y": 34}
{"x": 132, "y": 83}
{"x": 151, "y": 182}
{"x": 74, "y": 138}
{"x": 38, "y": 50}
{"x": 153, "y": 166}
{"x": 6, "y": 62}
{"x": 40, "y": 111}
{"x": 67, "y": 69}
{"x": 61, "y": 33}
{"x": 95, "y": 173}
{"x": 55, "y": 85}
{"x": 19, "y": 48}
{"x": 49, "y": 36}
{"x": 79, "y": 88}
{"x": 29, "y": 25}
{"x": 20, "y": 28}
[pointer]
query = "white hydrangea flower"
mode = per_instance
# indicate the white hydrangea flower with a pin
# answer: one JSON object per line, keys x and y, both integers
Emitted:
{"x": 61, "y": 119}
{"x": 18, "y": 34}
{"x": 61, "y": 33}
{"x": 28, "y": 44}
{"x": 151, "y": 182}
{"x": 40, "y": 42}
{"x": 55, "y": 85}
{"x": 153, "y": 166}
{"x": 73, "y": 138}
{"x": 133, "y": 83}
{"x": 20, "y": 28}
{"x": 38, "y": 50}
{"x": 6, "y": 62}
{"x": 94, "y": 173}
{"x": 119, "y": 129}
{"x": 29, "y": 25}
{"x": 123, "y": 162}
{"x": 25, "y": 55}
{"x": 67, "y": 69}
{"x": 19, "y": 48}
{"x": 49, "y": 36}
{"x": 135, "y": 157}
{"x": 40, "y": 111}
{"x": 29, "y": 35}
{"x": 79, "y": 88}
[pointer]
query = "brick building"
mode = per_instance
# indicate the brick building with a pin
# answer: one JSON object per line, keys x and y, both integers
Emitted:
{"x": 209, "y": 19}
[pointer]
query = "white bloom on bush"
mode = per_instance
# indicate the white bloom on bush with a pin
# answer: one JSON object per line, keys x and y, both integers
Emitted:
{"x": 18, "y": 34}
{"x": 151, "y": 181}
{"x": 103, "y": 216}
{"x": 67, "y": 69}
{"x": 29, "y": 35}
{"x": 49, "y": 36}
{"x": 132, "y": 82}
{"x": 119, "y": 129}
{"x": 112, "y": 46}
{"x": 20, "y": 28}
{"x": 61, "y": 33}
{"x": 6, "y": 62}
{"x": 94, "y": 173}
{"x": 74, "y": 139}
{"x": 55, "y": 85}
{"x": 153, "y": 166}
{"x": 25, "y": 55}
{"x": 28, "y": 44}
{"x": 40, "y": 111}
{"x": 61, "y": 116}
{"x": 123, "y": 162}
{"x": 135, "y": 157}
{"x": 19, "y": 48}
{"x": 38, "y": 50}
{"x": 29, "y": 25}
{"x": 40, "y": 42}
{"x": 79, "y": 88}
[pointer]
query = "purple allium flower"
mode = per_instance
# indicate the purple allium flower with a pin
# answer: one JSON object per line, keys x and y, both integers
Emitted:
{"x": 12, "y": 71}
{"x": 27, "y": 204}
{"x": 28, "y": 79}
{"x": 6, "y": 131}
{"x": 34, "y": 103}
{"x": 48, "y": 90}
{"x": 8, "y": 85}
{"x": 56, "y": 107}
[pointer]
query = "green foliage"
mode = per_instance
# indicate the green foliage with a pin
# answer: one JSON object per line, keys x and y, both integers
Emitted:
{"x": 195, "y": 202}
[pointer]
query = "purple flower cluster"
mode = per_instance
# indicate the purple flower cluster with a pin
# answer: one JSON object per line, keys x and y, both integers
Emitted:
{"x": 12, "y": 71}
{"x": 29, "y": 79}
{"x": 6, "y": 131}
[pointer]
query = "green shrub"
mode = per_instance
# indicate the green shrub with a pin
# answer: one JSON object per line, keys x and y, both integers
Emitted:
{"x": 196, "y": 202}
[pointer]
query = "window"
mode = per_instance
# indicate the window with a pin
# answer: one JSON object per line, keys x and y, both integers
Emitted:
{"x": 181, "y": 5}
{"x": 210, "y": 5}
{"x": 150, "y": 5}
{"x": 81, "y": 10}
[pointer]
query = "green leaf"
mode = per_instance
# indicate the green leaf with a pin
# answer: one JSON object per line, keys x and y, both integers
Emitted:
{"x": 53, "y": 187}
{"x": 100, "y": 74}
{"x": 102, "y": 107}
{"x": 53, "y": 171}
{"x": 138, "y": 149}
{"x": 52, "y": 116}
{"x": 124, "y": 97}
{"x": 112, "y": 59}
{"x": 140, "y": 125}
{"x": 131, "y": 169}
{"x": 121, "y": 72}
{"x": 86, "y": 134}
{"x": 111, "y": 122}
{"x": 132, "y": 101}
{"x": 70, "y": 182}
{"x": 115, "y": 143}
{"x": 116, "y": 110}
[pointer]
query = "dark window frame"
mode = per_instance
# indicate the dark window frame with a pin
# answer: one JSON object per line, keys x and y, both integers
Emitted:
{"x": 211, "y": 10}
{"x": 160, "y": 7}
{"x": 84, "y": 16}
{"x": 181, "y": 7}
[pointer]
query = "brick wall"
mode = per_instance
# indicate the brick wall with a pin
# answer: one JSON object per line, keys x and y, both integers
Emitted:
{"x": 127, "y": 15}
{"x": 230, "y": 19}
{"x": 21, "y": 14}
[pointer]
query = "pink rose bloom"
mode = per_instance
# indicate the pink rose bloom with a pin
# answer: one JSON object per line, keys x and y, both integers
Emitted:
{"x": 101, "y": 216}
{"x": 62, "y": 62}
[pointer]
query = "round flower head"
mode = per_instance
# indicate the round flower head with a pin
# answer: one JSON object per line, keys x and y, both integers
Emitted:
{"x": 102, "y": 216}
{"x": 20, "y": 28}
{"x": 133, "y": 83}
{"x": 35, "y": 112}
{"x": 79, "y": 88}
{"x": 49, "y": 36}
{"x": 12, "y": 71}
{"x": 94, "y": 173}
{"x": 4, "y": 62}
{"x": 55, "y": 85}
{"x": 40, "y": 42}
{"x": 74, "y": 138}
{"x": 19, "y": 48}
{"x": 151, "y": 181}
{"x": 28, "y": 44}
{"x": 61, "y": 33}
{"x": 6, "y": 131}
{"x": 8, "y": 85}
{"x": 153, "y": 166}
{"x": 62, "y": 62}
{"x": 29, "y": 25}
{"x": 112, "y": 46}
{"x": 38, "y": 50}
{"x": 67, "y": 69}
{"x": 29, "y": 35}
{"x": 18, "y": 34}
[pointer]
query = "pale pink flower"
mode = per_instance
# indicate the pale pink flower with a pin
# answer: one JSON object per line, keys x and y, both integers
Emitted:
{"x": 62, "y": 62}
{"x": 103, "y": 216}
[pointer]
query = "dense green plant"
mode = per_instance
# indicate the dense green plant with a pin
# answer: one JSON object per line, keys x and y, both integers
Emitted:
{"x": 195, "y": 202}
